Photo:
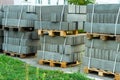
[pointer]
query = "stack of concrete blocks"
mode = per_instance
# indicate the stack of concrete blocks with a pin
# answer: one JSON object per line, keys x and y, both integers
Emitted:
{"x": 20, "y": 42}
{"x": 54, "y": 18}
{"x": 1, "y": 16}
{"x": 103, "y": 55}
{"x": 60, "y": 48}
{"x": 64, "y": 49}
{"x": 18, "y": 16}
{"x": 1, "y": 32}
{"x": 77, "y": 13}
{"x": 1, "y": 39}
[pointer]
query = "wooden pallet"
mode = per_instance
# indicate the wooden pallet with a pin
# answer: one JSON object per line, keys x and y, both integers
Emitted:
{"x": 19, "y": 29}
{"x": 14, "y": 54}
{"x": 102, "y": 72}
{"x": 53, "y": 63}
{"x": 103, "y": 36}
{"x": 57, "y": 32}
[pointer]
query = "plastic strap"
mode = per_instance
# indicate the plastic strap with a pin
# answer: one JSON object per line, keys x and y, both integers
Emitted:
{"x": 92, "y": 18}
{"x": 89, "y": 62}
{"x": 6, "y": 16}
{"x": 21, "y": 43}
{"x": 116, "y": 22}
{"x": 57, "y": 2}
{"x": 44, "y": 48}
{"x": 40, "y": 15}
{"x": 61, "y": 19}
{"x": 116, "y": 58}
{"x": 63, "y": 49}
{"x": 6, "y": 41}
{"x": 5, "y": 26}
{"x": 20, "y": 17}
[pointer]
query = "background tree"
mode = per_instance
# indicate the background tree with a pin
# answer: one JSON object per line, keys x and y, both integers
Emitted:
{"x": 81, "y": 2}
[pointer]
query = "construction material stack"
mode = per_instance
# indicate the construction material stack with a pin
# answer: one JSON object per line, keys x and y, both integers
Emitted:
{"x": 103, "y": 41}
{"x": 59, "y": 39}
{"x": 1, "y": 31}
{"x": 20, "y": 38}
{"x": 77, "y": 13}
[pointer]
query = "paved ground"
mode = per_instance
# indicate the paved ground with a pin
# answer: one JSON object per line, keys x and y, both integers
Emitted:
{"x": 33, "y": 62}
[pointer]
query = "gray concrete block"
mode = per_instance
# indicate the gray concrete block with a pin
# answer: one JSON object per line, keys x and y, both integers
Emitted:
{"x": 100, "y": 44}
{"x": 73, "y": 26}
{"x": 46, "y": 12}
{"x": 71, "y": 8}
{"x": 107, "y": 28}
{"x": 76, "y": 17}
{"x": 77, "y": 9}
{"x": 68, "y": 49}
{"x": 83, "y": 9}
{"x": 103, "y": 8}
{"x": 71, "y": 39}
{"x": 14, "y": 22}
{"x": 12, "y": 15}
{"x": 47, "y": 25}
{"x": 55, "y": 56}
{"x": 81, "y": 25}
{"x": 16, "y": 8}
{"x": 29, "y": 16}
{"x": 53, "y": 17}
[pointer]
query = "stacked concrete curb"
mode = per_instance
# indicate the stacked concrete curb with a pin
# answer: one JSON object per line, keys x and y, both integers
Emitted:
{"x": 17, "y": 41}
{"x": 59, "y": 49}
{"x": 102, "y": 51}
{"x": 77, "y": 13}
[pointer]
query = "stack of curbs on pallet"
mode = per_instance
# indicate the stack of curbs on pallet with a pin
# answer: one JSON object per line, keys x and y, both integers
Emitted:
{"x": 1, "y": 31}
{"x": 53, "y": 20}
{"x": 60, "y": 43}
{"x": 20, "y": 38}
{"x": 102, "y": 41}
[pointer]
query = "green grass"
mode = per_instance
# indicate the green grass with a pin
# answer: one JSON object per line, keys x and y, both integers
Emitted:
{"x": 14, "y": 69}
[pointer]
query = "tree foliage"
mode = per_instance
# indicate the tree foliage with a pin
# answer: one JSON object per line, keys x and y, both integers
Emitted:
{"x": 81, "y": 2}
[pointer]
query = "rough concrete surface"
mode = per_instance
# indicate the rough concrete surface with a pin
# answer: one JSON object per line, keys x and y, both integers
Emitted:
{"x": 33, "y": 62}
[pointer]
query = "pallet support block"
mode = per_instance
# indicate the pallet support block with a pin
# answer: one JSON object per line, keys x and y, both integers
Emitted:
{"x": 40, "y": 32}
{"x": 52, "y": 64}
{"x": 89, "y": 36}
{"x": 100, "y": 73}
{"x": 63, "y": 33}
{"x": 22, "y": 56}
{"x": 41, "y": 62}
{"x": 51, "y": 33}
{"x": 117, "y": 77}
{"x": 75, "y": 32}
{"x": 86, "y": 70}
{"x": 103, "y": 37}
{"x": 63, "y": 64}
